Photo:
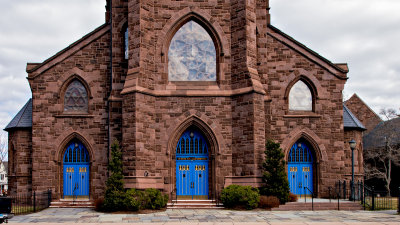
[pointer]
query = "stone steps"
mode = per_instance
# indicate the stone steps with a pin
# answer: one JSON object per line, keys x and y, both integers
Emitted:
{"x": 318, "y": 206}
{"x": 193, "y": 204}
{"x": 72, "y": 204}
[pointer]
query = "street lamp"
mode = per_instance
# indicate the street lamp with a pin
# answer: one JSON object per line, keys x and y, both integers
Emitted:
{"x": 352, "y": 147}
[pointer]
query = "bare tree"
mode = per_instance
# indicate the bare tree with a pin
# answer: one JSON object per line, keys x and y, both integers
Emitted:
{"x": 3, "y": 148}
{"x": 382, "y": 148}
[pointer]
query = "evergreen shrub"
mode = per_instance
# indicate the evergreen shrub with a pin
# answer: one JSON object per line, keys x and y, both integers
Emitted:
{"x": 240, "y": 196}
{"x": 274, "y": 173}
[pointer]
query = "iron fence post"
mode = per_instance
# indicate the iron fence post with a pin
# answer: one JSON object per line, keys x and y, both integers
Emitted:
{"x": 344, "y": 189}
{"x": 373, "y": 198}
{"x": 398, "y": 202}
{"x": 340, "y": 190}
{"x": 34, "y": 201}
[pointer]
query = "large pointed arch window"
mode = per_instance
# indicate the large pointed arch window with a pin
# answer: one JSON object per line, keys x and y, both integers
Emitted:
{"x": 76, "y": 97}
{"x": 192, "y": 54}
{"x": 300, "y": 97}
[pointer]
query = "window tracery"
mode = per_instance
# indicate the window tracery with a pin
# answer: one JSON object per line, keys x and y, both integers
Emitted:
{"x": 192, "y": 55}
{"x": 76, "y": 97}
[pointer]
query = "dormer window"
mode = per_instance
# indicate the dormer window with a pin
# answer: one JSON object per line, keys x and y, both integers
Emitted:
{"x": 192, "y": 54}
{"x": 300, "y": 97}
{"x": 76, "y": 97}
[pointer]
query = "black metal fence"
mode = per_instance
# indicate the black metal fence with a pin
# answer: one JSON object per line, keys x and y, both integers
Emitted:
{"x": 27, "y": 203}
{"x": 370, "y": 198}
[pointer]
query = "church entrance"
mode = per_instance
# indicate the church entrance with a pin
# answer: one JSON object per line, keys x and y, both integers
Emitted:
{"x": 192, "y": 166}
{"x": 300, "y": 169}
{"x": 76, "y": 171}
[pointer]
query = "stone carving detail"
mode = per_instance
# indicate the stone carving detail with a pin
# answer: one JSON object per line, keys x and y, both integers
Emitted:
{"x": 192, "y": 55}
{"x": 76, "y": 98}
{"x": 300, "y": 97}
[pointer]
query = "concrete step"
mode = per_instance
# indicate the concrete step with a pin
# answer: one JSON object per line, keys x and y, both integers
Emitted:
{"x": 193, "y": 204}
{"x": 298, "y": 206}
{"x": 62, "y": 203}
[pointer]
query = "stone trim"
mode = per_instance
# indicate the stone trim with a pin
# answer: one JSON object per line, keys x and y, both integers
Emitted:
{"x": 308, "y": 53}
{"x": 67, "y": 52}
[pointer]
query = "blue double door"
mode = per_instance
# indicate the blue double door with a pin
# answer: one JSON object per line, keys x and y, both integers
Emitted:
{"x": 192, "y": 169}
{"x": 300, "y": 169}
{"x": 76, "y": 171}
{"x": 192, "y": 179}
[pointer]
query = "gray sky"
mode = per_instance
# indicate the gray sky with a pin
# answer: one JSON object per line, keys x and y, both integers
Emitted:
{"x": 363, "y": 33}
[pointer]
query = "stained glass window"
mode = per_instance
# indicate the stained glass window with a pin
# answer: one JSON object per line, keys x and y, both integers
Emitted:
{"x": 300, "y": 97}
{"x": 126, "y": 43}
{"x": 76, "y": 98}
{"x": 192, "y": 55}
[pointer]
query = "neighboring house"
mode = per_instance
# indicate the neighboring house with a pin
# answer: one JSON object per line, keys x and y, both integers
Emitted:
{"x": 3, "y": 178}
{"x": 192, "y": 90}
{"x": 363, "y": 112}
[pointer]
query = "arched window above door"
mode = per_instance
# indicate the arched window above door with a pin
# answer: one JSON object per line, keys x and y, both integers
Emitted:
{"x": 192, "y": 54}
{"x": 300, "y": 97}
{"x": 76, "y": 97}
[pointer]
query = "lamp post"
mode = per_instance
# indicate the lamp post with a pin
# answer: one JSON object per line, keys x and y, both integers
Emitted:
{"x": 352, "y": 147}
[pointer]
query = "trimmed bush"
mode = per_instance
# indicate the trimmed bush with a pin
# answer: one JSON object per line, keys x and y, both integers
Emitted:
{"x": 268, "y": 202}
{"x": 240, "y": 196}
{"x": 155, "y": 199}
{"x": 292, "y": 197}
{"x": 133, "y": 200}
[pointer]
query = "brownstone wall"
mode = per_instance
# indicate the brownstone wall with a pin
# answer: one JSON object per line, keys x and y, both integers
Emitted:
{"x": 53, "y": 129}
{"x": 20, "y": 161}
{"x": 363, "y": 113}
{"x": 248, "y": 104}
{"x": 358, "y": 154}
{"x": 323, "y": 127}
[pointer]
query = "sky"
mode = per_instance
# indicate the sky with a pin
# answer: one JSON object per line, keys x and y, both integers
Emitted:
{"x": 363, "y": 33}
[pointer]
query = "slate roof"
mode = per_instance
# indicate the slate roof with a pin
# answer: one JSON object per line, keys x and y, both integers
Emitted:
{"x": 376, "y": 137}
{"x": 350, "y": 120}
{"x": 23, "y": 119}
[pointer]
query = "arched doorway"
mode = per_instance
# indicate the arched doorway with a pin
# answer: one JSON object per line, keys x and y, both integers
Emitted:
{"x": 76, "y": 171}
{"x": 300, "y": 168}
{"x": 192, "y": 165}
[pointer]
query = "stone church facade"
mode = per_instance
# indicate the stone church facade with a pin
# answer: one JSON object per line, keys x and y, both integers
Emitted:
{"x": 191, "y": 89}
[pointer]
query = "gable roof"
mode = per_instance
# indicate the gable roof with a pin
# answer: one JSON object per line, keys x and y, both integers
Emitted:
{"x": 376, "y": 137}
{"x": 34, "y": 69}
{"x": 350, "y": 120}
{"x": 334, "y": 68}
{"x": 23, "y": 119}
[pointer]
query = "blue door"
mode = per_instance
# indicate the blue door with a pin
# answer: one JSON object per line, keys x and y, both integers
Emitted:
{"x": 192, "y": 166}
{"x": 300, "y": 169}
{"x": 76, "y": 171}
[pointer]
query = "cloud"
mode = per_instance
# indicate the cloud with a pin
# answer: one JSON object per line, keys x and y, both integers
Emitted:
{"x": 363, "y": 33}
{"x": 32, "y": 31}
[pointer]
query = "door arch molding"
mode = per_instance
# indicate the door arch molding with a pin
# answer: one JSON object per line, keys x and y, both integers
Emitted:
{"x": 59, "y": 158}
{"x": 209, "y": 135}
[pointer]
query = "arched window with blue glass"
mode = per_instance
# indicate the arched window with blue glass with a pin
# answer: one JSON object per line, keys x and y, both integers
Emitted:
{"x": 76, "y": 161}
{"x": 300, "y": 168}
{"x": 192, "y": 165}
{"x": 192, "y": 54}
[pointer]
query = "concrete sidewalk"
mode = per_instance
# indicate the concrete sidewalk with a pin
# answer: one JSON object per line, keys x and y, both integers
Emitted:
{"x": 80, "y": 215}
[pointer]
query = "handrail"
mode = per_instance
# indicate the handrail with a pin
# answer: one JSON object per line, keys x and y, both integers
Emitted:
{"x": 312, "y": 198}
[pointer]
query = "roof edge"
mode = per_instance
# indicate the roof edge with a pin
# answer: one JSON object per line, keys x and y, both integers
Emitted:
{"x": 32, "y": 67}
{"x": 15, "y": 122}
{"x": 341, "y": 67}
